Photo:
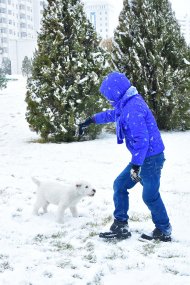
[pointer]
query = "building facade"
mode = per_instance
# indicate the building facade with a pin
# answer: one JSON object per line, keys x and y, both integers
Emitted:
{"x": 101, "y": 15}
{"x": 20, "y": 20}
{"x": 19, "y": 23}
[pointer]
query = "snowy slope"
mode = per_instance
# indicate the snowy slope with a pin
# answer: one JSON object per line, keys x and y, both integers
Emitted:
{"x": 38, "y": 251}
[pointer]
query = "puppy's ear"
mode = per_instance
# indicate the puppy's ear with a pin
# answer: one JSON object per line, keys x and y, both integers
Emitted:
{"x": 78, "y": 185}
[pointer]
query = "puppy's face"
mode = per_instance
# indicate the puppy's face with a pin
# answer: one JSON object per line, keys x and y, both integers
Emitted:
{"x": 85, "y": 189}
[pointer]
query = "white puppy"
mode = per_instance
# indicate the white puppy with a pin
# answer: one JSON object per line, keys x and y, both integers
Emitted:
{"x": 61, "y": 195}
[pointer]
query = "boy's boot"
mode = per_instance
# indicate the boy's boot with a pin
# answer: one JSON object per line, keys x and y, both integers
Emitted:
{"x": 157, "y": 235}
{"x": 118, "y": 230}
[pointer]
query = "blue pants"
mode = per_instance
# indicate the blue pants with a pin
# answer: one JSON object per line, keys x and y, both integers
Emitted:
{"x": 150, "y": 175}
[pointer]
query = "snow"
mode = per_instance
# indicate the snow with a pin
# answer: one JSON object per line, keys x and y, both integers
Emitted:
{"x": 186, "y": 61}
{"x": 36, "y": 250}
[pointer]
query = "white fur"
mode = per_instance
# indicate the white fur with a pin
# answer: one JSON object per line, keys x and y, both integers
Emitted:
{"x": 61, "y": 195}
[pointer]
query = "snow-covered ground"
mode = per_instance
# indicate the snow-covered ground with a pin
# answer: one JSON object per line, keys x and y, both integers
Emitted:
{"x": 35, "y": 250}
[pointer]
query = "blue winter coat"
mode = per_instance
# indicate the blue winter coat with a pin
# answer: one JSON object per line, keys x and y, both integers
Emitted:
{"x": 134, "y": 120}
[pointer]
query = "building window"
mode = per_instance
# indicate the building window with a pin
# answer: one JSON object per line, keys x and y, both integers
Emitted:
{"x": 93, "y": 18}
{"x": 22, "y": 16}
{"x": 23, "y": 35}
{"x": 3, "y": 30}
{"x": 5, "y": 50}
{"x": 22, "y": 25}
{"x": 22, "y": 7}
{"x": 2, "y": 10}
{"x": 3, "y": 20}
{"x": 4, "y": 40}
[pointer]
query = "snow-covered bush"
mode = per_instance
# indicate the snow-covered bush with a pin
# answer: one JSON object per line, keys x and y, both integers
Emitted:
{"x": 3, "y": 80}
{"x": 26, "y": 66}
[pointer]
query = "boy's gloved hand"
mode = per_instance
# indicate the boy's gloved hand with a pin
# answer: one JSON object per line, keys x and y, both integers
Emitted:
{"x": 135, "y": 173}
{"x": 84, "y": 125}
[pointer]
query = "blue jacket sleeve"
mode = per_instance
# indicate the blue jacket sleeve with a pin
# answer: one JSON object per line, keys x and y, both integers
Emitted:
{"x": 107, "y": 116}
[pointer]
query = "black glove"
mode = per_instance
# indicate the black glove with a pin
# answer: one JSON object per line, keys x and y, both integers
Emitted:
{"x": 135, "y": 173}
{"x": 84, "y": 125}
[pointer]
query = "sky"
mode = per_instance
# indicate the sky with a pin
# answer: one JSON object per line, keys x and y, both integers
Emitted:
{"x": 180, "y": 7}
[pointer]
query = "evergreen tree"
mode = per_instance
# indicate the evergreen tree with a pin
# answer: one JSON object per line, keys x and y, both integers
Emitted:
{"x": 3, "y": 80}
{"x": 26, "y": 66}
{"x": 6, "y": 65}
{"x": 68, "y": 67}
{"x": 150, "y": 50}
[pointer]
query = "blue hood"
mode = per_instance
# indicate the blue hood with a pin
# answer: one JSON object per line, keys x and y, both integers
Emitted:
{"x": 114, "y": 86}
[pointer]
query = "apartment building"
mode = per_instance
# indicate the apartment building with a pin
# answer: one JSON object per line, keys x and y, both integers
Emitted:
{"x": 101, "y": 15}
{"x": 19, "y": 23}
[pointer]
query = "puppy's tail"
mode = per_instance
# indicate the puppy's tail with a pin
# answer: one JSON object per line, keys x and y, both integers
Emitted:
{"x": 36, "y": 181}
